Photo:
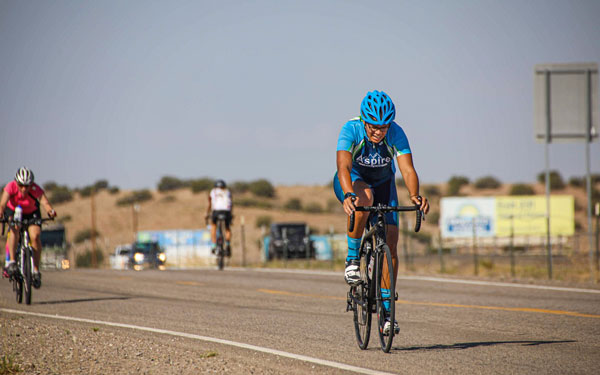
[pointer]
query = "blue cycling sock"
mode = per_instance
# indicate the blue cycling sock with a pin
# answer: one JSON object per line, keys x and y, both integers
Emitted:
{"x": 353, "y": 248}
{"x": 385, "y": 293}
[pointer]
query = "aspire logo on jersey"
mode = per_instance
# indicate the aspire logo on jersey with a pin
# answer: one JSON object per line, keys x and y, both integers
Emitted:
{"x": 373, "y": 160}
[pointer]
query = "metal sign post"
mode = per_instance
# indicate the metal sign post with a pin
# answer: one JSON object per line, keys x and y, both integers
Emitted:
{"x": 565, "y": 100}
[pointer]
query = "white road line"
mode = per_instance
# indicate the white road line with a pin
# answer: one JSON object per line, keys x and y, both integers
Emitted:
{"x": 323, "y": 362}
{"x": 439, "y": 280}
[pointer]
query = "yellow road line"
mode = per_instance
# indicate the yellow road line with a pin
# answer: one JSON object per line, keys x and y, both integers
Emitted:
{"x": 515, "y": 309}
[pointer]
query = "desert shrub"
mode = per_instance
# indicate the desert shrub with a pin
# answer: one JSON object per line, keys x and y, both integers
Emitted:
{"x": 201, "y": 184}
{"x": 113, "y": 190}
{"x": 521, "y": 189}
{"x": 101, "y": 184}
{"x": 84, "y": 234}
{"x": 50, "y": 185}
{"x": 294, "y": 204}
{"x": 86, "y": 191}
{"x": 431, "y": 191}
{"x": 85, "y": 259}
{"x": 595, "y": 195}
{"x": 556, "y": 181}
{"x": 168, "y": 199}
{"x": 264, "y": 220}
{"x": 577, "y": 182}
{"x": 313, "y": 208}
{"x": 169, "y": 183}
{"x": 239, "y": 187}
{"x": 60, "y": 194}
{"x": 455, "y": 183}
{"x": 262, "y": 188}
{"x": 135, "y": 197}
{"x": 487, "y": 182}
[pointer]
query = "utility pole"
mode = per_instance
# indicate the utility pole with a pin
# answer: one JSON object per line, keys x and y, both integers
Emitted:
{"x": 93, "y": 230}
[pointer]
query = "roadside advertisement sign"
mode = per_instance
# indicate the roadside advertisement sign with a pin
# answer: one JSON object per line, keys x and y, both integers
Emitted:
{"x": 461, "y": 216}
{"x": 501, "y": 216}
{"x": 526, "y": 215}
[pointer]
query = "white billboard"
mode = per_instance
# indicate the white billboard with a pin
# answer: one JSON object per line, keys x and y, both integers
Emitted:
{"x": 461, "y": 216}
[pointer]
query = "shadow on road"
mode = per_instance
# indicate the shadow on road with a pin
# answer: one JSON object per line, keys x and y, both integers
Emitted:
{"x": 80, "y": 300}
{"x": 468, "y": 345}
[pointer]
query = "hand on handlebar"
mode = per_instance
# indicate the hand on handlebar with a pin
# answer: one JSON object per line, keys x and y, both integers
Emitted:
{"x": 422, "y": 202}
{"x": 349, "y": 206}
{"x": 52, "y": 214}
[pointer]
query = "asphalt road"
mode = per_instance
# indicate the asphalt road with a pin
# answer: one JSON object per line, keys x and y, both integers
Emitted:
{"x": 446, "y": 326}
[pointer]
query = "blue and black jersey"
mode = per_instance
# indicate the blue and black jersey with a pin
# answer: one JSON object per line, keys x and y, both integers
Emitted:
{"x": 372, "y": 163}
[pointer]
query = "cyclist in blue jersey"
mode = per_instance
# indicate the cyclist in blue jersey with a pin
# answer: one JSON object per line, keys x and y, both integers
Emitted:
{"x": 366, "y": 148}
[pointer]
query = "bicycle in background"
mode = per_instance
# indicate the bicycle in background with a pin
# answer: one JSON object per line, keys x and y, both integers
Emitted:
{"x": 366, "y": 297}
{"x": 220, "y": 251}
{"x": 22, "y": 280}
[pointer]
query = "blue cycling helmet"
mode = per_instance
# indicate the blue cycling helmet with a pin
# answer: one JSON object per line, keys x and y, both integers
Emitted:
{"x": 377, "y": 108}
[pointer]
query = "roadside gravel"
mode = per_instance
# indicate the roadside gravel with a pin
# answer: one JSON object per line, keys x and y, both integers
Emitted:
{"x": 45, "y": 346}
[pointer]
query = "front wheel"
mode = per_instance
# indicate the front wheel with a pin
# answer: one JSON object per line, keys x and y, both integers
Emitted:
{"x": 18, "y": 287}
{"x": 27, "y": 273}
{"x": 385, "y": 338}
{"x": 361, "y": 306}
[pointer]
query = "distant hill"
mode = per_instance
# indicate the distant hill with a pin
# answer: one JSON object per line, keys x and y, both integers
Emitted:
{"x": 183, "y": 209}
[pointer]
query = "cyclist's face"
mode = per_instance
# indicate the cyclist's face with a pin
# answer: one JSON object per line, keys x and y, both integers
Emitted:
{"x": 23, "y": 188}
{"x": 376, "y": 133}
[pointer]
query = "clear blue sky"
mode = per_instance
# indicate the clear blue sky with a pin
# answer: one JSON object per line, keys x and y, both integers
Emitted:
{"x": 131, "y": 91}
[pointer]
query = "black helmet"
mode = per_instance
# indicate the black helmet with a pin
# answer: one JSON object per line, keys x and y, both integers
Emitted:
{"x": 220, "y": 184}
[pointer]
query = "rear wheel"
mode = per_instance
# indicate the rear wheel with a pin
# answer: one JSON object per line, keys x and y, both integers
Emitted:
{"x": 385, "y": 339}
{"x": 220, "y": 248}
{"x": 27, "y": 274}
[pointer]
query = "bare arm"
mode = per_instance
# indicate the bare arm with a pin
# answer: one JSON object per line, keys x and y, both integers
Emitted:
{"x": 344, "y": 166}
{"x": 47, "y": 206}
{"x": 411, "y": 180}
{"x": 208, "y": 209}
{"x": 3, "y": 202}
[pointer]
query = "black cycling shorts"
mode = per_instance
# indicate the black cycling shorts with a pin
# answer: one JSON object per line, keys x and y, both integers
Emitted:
{"x": 35, "y": 214}
{"x": 225, "y": 214}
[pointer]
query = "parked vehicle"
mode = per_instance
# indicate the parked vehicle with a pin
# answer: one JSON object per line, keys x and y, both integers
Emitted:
{"x": 147, "y": 255}
{"x": 120, "y": 259}
{"x": 290, "y": 240}
{"x": 55, "y": 247}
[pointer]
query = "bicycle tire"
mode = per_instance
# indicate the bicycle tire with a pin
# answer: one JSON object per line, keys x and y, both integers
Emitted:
{"x": 385, "y": 340}
{"x": 362, "y": 304}
{"x": 27, "y": 274}
{"x": 18, "y": 288}
{"x": 220, "y": 249}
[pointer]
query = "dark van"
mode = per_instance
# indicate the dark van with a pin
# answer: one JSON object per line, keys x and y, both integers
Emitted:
{"x": 291, "y": 240}
{"x": 147, "y": 255}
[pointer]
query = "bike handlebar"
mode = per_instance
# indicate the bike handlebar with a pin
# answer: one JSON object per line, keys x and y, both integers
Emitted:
{"x": 383, "y": 208}
{"x": 26, "y": 222}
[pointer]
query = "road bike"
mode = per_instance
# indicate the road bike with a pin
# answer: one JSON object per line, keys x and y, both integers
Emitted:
{"x": 220, "y": 250}
{"x": 22, "y": 280}
{"x": 366, "y": 297}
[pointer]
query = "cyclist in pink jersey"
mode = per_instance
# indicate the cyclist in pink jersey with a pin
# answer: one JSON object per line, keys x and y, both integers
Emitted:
{"x": 23, "y": 192}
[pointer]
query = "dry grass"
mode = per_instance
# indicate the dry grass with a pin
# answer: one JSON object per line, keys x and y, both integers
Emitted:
{"x": 183, "y": 209}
